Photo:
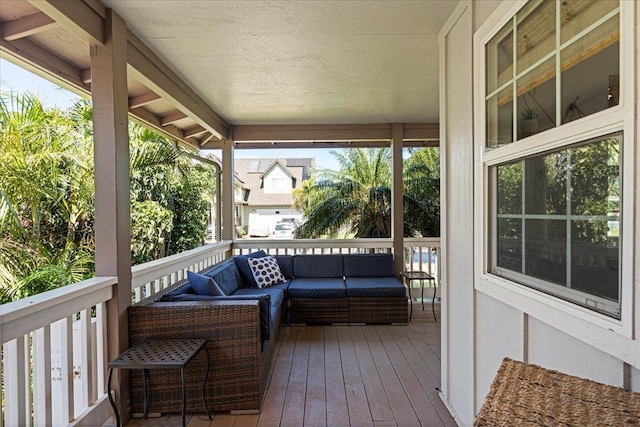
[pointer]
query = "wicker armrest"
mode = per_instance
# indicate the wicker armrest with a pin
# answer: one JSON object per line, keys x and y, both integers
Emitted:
{"x": 233, "y": 331}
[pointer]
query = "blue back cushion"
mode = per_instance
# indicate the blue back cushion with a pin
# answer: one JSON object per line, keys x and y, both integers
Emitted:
{"x": 286, "y": 265}
{"x": 226, "y": 276}
{"x": 204, "y": 285}
{"x": 318, "y": 266}
{"x": 368, "y": 265}
{"x": 243, "y": 265}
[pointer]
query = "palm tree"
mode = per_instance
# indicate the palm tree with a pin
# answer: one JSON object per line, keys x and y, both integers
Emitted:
{"x": 45, "y": 218}
{"x": 356, "y": 199}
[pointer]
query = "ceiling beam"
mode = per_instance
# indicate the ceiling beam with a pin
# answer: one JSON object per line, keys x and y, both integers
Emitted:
{"x": 331, "y": 133}
{"x": 304, "y": 144}
{"x": 86, "y": 76}
{"x": 173, "y": 117}
{"x": 344, "y": 132}
{"x": 144, "y": 99}
{"x": 26, "y": 26}
{"x": 147, "y": 68}
{"x": 75, "y": 16}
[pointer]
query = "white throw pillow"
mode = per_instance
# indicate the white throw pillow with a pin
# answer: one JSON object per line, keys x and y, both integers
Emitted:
{"x": 266, "y": 271}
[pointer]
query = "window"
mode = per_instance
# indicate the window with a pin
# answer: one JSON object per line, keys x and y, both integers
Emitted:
{"x": 553, "y": 63}
{"x": 553, "y": 189}
{"x": 555, "y": 223}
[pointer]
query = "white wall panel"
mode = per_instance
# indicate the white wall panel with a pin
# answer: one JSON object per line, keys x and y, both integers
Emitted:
{"x": 457, "y": 136}
{"x": 635, "y": 379}
{"x": 499, "y": 334}
{"x": 552, "y": 349}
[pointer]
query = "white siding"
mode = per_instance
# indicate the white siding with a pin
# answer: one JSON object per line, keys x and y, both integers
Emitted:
{"x": 277, "y": 181}
{"x": 480, "y": 328}
{"x": 457, "y": 228}
{"x": 498, "y": 335}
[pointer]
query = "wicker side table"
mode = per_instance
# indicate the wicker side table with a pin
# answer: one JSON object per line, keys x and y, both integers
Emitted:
{"x": 159, "y": 354}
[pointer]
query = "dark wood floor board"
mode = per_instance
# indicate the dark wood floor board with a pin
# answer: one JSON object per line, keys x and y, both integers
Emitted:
{"x": 400, "y": 405}
{"x": 315, "y": 409}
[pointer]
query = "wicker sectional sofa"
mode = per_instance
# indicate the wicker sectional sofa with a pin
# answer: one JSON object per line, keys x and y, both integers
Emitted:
{"x": 244, "y": 326}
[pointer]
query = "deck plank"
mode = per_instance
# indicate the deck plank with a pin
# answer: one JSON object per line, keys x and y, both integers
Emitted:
{"x": 336, "y": 398}
{"x": 271, "y": 412}
{"x": 400, "y": 405}
{"x": 376, "y": 395}
{"x": 315, "y": 409}
{"x": 359, "y": 412}
{"x": 293, "y": 411}
{"x": 423, "y": 407}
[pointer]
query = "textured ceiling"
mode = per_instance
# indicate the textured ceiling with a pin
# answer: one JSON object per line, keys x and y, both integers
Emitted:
{"x": 269, "y": 62}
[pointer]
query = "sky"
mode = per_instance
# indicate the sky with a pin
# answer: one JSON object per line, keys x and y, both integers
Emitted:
{"x": 14, "y": 78}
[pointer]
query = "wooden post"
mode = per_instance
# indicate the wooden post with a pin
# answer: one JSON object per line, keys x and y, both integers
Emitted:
{"x": 228, "y": 196}
{"x": 111, "y": 152}
{"x": 397, "y": 192}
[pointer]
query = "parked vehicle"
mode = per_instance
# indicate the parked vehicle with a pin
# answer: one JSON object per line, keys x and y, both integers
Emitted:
{"x": 259, "y": 229}
{"x": 283, "y": 230}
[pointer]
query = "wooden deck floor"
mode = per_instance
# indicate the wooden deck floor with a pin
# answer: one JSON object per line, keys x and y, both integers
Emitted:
{"x": 347, "y": 376}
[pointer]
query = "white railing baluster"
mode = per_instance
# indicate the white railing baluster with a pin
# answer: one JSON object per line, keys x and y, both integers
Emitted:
{"x": 15, "y": 411}
{"x": 86, "y": 361}
{"x": 42, "y": 377}
{"x": 102, "y": 354}
{"x": 66, "y": 369}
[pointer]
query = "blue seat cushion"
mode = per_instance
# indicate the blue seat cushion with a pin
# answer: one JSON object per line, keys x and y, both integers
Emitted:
{"x": 242, "y": 263}
{"x": 277, "y": 294}
{"x": 368, "y": 265}
{"x": 318, "y": 266}
{"x": 317, "y": 288}
{"x": 375, "y": 287}
{"x": 226, "y": 276}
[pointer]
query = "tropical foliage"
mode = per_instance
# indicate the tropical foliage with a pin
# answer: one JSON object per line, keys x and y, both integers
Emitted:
{"x": 47, "y": 196}
{"x": 356, "y": 199}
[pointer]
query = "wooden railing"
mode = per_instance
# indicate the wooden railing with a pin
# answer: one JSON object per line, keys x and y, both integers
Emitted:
{"x": 54, "y": 345}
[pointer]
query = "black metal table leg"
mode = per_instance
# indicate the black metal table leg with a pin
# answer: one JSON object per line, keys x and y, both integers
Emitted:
{"x": 204, "y": 384}
{"x": 422, "y": 292}
{"x": 410, "y": 301}
{"x": 145, "y": 402}
{"x": 433, "y": 301}
{"x": 113, "y": 403}
{"x": 184, "y": 395}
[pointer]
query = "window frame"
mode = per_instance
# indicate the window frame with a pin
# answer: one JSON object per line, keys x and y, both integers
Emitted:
{"x": 616, "y": 119}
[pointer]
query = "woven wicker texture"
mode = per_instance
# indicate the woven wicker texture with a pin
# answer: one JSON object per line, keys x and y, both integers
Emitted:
{"x": 319, "y": 311}
{"x": 239, "y": 366}
{"x": 378, "y": 310}
{"x": 528, "y": 395}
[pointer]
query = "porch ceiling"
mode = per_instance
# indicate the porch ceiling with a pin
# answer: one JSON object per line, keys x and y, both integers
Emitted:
{"x": 249, "y": 63}
{"x": 300, "y": 62}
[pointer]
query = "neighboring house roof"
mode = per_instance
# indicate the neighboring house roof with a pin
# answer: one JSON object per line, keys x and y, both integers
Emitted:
{"x": 252, "y": 171}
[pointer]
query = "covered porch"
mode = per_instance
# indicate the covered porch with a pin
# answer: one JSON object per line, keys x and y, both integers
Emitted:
{"x": 380, "y": 74}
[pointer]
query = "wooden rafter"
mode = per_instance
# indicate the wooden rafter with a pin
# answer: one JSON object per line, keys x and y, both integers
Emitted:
{"x": 26, "y": 26}
{"x": 77, "y": 17}
{"x": 144, "y": 99}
